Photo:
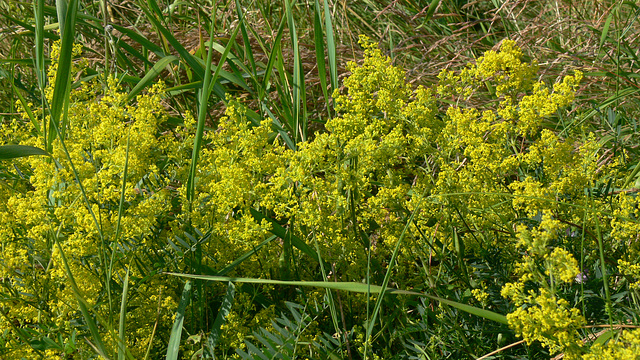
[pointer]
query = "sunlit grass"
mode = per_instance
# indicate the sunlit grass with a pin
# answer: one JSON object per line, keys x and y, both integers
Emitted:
{"x": 432, "y": 294}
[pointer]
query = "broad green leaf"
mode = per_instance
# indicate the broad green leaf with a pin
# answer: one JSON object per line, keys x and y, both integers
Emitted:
{"x": 16, "y": 151}
{"x": 60, "y": 98}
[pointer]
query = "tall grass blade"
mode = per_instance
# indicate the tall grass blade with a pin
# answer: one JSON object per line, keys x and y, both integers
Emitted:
{"x": 332, "y": 305}
{"x": 245, "y": 38}
{"x": 122, "y": 347}
{"x": 17, "y": 151}
{"x": 60, "y": 98}
{"x": 385, "y": 281}
{"x": 38, "y": 10}
{"x": 224, "y": 310}
{"x": 432, "y": 9}
{"x": 331, "y": 46}
{"x": 61, "y": 9}
{"x": 298, "y": 89}
{"x": 151, "y": 75}
{"x": 244, "y": 257}
{"x": 603, "y": 270}
{"x": 93, "y": 328}
{"x": 27, "y": 108}
{"x": 141, "y": 39}
{"x": 176, "y": 331}
{"x": 319, "y": 44}
{"x": 353, "y": 287}
{"x": 191, "y": 60}
{"x": 272, "y": 57}
{"x": 205, "y": 92}
{"x": 283, "y": 233}
{"x": 605, "y": 29}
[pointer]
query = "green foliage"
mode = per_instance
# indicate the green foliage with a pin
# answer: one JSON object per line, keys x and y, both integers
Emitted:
{"x": 485, "y": 200}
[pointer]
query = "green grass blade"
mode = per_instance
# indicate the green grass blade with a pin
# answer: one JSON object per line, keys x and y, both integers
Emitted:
{"x": 332, "y": 304}
{"x": 281, "y": 232}
{"x": 191, "y": 60}
{"x": 387, "y": 277}
{"x": 205, "y": 92}
{"x": 47, "y": 34}
{"x": 331, "y": 46}
{"x": 151, "y": 75}
{"x": 299, "y": 124}
{"x": 244, "y": 257}
{"x": 605, "y": 29}
{"x": 93, "y": 328}
{"x": 63, "y": 75}
{"x": 141, "y": 39}
{"x": 353, "y": 287}
{"x": 319, "y": 44}
{"x": 284, "y": 94}
{"x": 17, "y": 151}
{"x": 38, "y": 9}
{"x": 61, "y": 9}
{"x": 279, "y": 127}
{"x": 176, "y": 331}
{"x": 224, "y": 310}
{"x": 27, "y": 108}
{"x": 237, "y": 78}
{"x": 245, "y": 38}
{"x": 273, "y": 56}
{"x": 122, "y": 347}
{"x": 432, "y": 9}
{"x": 603, "y": 269}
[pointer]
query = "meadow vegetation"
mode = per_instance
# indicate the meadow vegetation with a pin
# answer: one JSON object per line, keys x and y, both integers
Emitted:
{"x": 319, "y": 180}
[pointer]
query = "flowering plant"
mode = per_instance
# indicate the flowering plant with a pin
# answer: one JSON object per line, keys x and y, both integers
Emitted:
{"x": 461, "y": 170}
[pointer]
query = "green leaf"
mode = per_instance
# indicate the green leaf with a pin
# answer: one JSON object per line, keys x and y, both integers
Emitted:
{"x": 319, "y": 42}
{"x": 151, "y": 75}
{"x": 27, "y": 108}
{"x": 16, "y": 151}
{"x": 176, "y": 331}
{"x": 331, "y": 46}
{"x": 122, "y": 346}
{"x": 605, "y": 29}
{"x": 432, "y": 9}
{"x": 224, "y": 310}
{"x": 84, "y": 309}
{"x": 207, "y": 86}
{"x": 195, "y": 65}
{"x": 603, "y": 338}
{"x": 354, "y": 287}
{"x": 60, "y": 97}
{"x": 281, "y": 232}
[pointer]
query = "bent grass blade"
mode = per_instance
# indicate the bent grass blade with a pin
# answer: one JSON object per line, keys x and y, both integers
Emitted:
{"x": 354, "y": 287}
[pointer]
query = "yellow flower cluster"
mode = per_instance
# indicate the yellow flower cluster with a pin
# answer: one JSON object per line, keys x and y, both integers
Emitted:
{"x": 392, "y": 147}
{"x": 550, "y": 321}
{"x": 625, "y": 347}
{"x": 541, "y": 316}
{"x": 99, "y": 234}
{"x": 483, "y": 170}
{"x": 632, "y": 271}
